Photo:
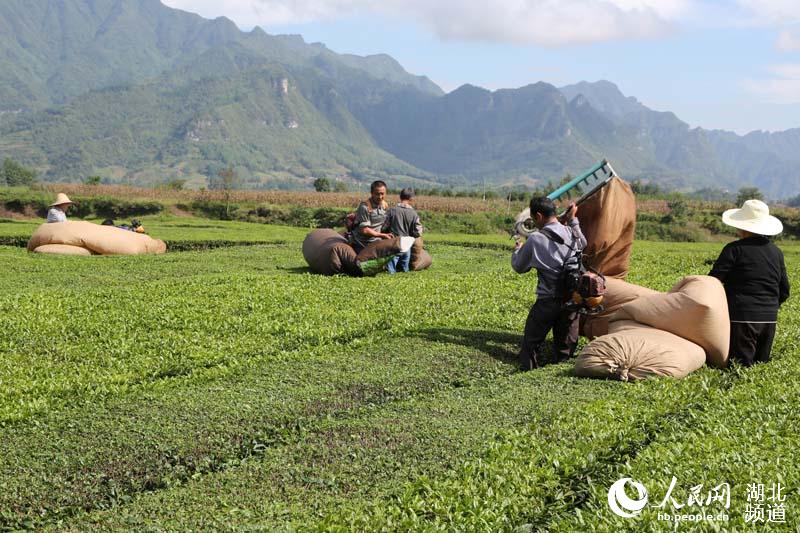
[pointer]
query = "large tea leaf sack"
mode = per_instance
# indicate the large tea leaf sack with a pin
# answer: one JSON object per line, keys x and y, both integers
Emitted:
{"x": 100, "y": 240}
{"x": 633, "y": 351}
{"x": 380, "y": 249}
{"x": 327, "y": 252}
{"x": 618, "y": 293}
{"x": 61, "y": 249}
{"x": 608, "y": 220}
{"x": 420, "y": 258}
{"x": 374, "y": 258}
{"x": 695, "y": 308}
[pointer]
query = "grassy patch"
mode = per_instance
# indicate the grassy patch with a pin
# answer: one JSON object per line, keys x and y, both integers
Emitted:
{"x": 230, "y": 388}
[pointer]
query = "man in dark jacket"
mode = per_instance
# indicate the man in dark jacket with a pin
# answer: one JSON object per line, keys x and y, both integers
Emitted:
{"x": 753, "y": 273}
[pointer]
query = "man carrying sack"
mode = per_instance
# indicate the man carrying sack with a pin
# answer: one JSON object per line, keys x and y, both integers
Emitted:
{"x": 548, "y": 251}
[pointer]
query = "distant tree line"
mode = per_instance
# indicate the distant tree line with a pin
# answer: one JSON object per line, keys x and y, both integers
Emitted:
{"x": 12, "y": 174}
{"x": 325, "y": 185}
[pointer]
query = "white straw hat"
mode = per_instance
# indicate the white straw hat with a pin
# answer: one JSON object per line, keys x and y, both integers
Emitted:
{"x": 753, "y": 217}
{"x": 61, "y": 199}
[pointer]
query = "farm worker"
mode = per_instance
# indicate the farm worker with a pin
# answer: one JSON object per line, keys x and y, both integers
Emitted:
{"x": 754, "y": 275}
{"x": 543, "y": 252}
{"x": 402, "y": 221}
{"x": 57, "y": 211}
{"x": 370, "y": 217}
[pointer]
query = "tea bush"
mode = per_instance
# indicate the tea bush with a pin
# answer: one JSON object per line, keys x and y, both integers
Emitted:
{"x": 229, "y": 388}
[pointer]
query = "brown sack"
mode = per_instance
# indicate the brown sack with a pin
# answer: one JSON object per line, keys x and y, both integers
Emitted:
{"x": 695, "y": 308}
{"x": 421, "y": 262}
{"x": 420, "y": 258}
{"x": 379, "y": 249}
{"x": 636, "y": 351}
{"x": 608, "y": 220}
{"x": 61, "y": 249}
{"x": 102, "y": 240}
{"x": 618, "y": 293}
{"x": 343, "y": 260}
{"x": 327, "y": 252}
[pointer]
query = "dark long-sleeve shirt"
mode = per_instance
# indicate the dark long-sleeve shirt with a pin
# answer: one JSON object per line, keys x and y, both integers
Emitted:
{"x": 754, "y": 275}
{"x": 548, "y": 257}
{"x": 403, "y": 221}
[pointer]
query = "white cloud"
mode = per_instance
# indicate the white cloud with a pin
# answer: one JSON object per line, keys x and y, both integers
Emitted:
{"x": 775, "y": 91}
{"x": 545, "y": 22}
{"x": 784, "y": 88}
{"x": 789, "y": 71}
{"x": 778, "y": 12}
{"x": 788, "y": 41}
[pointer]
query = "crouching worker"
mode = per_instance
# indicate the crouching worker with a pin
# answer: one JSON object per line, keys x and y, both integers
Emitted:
{"x": 135, "y": 225}
{"x": 548, "y": 251}
{"x": 753, "y": 273}
{"x": 57, "y": 211}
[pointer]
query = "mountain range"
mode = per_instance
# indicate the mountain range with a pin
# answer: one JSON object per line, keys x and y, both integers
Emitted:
{"x": 141, "y": 93}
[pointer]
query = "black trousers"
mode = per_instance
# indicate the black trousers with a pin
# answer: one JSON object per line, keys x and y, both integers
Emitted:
{"x": 547, "y": 314}
{"x": 751, "y": 342}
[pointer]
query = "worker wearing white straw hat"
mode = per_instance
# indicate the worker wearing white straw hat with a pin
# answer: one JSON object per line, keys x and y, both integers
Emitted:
{"x": 57, "y": 211}
{"x": 754, "y": 275}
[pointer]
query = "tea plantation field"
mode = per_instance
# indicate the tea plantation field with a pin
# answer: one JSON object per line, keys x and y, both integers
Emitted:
{"x": 223, "y": 386}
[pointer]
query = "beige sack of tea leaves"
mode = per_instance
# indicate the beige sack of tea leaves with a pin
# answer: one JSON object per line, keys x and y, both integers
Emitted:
{"x": 633, "y": 351}
{"x": 618, "y": 293}
{"x": 100, "y": 240}
{"x": 695, "y": 309}
{"x": 61, "y": 249}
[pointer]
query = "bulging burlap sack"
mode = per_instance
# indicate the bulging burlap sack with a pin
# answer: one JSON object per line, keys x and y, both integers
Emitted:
{"x": 101, "y": 240}
{"x": 61, "y": 249}
{"x": 420, "y": 258}
{"x": 608, "y": 220}
{"x": 373, "y": 259}
{"x": 327, "y": 252}
{"x": 618, "y": 293}
{"x": 695, "y": 308}
{"x": 635, "y": 351}
{"x": 380, "y": 249}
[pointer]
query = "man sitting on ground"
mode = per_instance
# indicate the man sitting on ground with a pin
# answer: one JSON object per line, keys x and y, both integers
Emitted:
{"x": 57, "y": 211}
{"x": 403, "y": 221}
{"x": 548, "y": 256}
{"x": 370, "y": 216}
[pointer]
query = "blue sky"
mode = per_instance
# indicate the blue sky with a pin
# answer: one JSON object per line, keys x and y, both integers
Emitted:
{"x": 731, "y": 65}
